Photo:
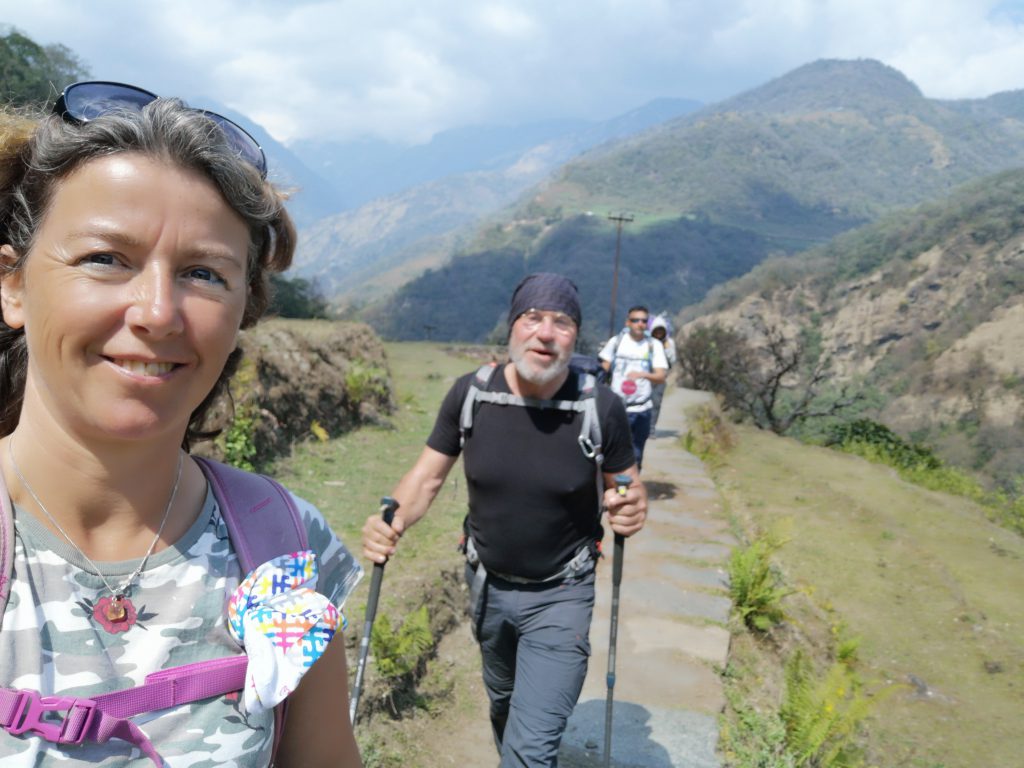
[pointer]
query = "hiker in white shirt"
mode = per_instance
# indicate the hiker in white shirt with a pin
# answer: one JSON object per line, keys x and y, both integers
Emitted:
{"x": 637, "y": 363}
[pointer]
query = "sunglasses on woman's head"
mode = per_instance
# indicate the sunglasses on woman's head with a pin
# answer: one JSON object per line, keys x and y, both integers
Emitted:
{"x": 82, "y": 102}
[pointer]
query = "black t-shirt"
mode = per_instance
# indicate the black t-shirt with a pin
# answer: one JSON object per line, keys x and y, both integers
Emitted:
{"x": 532, "y": 492}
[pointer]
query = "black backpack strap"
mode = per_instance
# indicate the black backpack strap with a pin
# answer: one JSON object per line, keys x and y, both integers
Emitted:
{"x": 590, "y": 438}
{"x": 477, "y": 386}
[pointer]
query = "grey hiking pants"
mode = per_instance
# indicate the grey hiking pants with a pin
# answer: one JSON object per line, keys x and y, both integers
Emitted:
{"x": 534, "y": 645}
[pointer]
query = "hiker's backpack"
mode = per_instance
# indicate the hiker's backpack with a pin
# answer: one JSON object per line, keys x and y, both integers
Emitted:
{"x": 263, "y": 523}
{"x": 589, "y": 438}
{"x": 589, "y": 364}
{"x": 589, "y": 441}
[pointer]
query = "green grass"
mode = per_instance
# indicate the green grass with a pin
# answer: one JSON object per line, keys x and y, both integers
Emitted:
{"x": 933, "y": 590}
{"x": 346, "y": 477}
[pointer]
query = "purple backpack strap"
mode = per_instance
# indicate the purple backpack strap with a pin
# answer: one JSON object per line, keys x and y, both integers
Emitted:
{"x": 263, "y": 523}
{"x": 254, "y": 508}
{"x": 105, "y": 717}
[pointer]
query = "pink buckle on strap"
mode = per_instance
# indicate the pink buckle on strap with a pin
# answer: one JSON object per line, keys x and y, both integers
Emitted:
{"x": 71, "y": 729}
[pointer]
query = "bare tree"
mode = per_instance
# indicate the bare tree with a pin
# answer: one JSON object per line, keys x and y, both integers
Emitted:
{"x": 777, "y": 383}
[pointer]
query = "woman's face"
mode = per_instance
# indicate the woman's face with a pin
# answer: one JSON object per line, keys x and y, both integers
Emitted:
{"x": 131, "y": 299}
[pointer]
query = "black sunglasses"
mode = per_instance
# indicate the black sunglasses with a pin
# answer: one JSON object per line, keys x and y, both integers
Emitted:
{"x": 82, "y": 102}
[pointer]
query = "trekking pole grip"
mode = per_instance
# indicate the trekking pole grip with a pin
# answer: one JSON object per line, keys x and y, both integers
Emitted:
{"x": 388, "y": 507}
{"x": 622, "y": 483}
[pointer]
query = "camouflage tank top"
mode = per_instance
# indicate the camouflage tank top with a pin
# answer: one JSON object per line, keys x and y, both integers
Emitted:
{"x": 50, "y": 643}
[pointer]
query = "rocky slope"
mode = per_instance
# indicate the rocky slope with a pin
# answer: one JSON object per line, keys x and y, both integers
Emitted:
{"x": 299, "y": 380}
{"x": 927, "y": 310}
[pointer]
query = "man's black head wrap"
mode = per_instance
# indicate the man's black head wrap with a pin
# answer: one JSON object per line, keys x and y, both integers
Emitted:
{"x": 547, "y": 291}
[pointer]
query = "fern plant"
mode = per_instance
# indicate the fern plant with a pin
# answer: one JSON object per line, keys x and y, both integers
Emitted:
{"x": 823, "y": 714}
{"x": 755, "y": 586}
{"x": 398, "y": 651}
{"x": 366, "y": 382}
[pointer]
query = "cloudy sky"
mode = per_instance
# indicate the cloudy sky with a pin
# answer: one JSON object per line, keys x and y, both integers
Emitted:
{"x": 404, "y": 69}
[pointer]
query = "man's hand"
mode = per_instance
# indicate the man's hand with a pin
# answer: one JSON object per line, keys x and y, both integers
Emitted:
{"x": 626, "y": 513}
{"x": 380, "y": 540}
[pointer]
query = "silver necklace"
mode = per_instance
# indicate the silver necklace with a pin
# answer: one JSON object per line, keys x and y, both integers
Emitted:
{"x": 116, "y": 613}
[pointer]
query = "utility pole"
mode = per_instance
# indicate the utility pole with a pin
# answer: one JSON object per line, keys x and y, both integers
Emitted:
{"x": 619, "y": 220}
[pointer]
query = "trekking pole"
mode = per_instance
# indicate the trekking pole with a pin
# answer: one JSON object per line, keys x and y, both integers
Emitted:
{"x": 622, "y": 483}
{"x": 388, "y": 506}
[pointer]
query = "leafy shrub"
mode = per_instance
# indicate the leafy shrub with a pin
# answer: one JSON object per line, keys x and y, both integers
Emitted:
{"x": 239, "y": 440}
{"x": 296, "y": 297}
{"x": 756, "y": 586}
{"x": 898, "y": 452}
{"x": 709, "y": 437}
{"x": 718, "y": 359}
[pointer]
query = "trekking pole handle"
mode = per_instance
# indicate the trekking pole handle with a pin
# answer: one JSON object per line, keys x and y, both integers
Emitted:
{"x": 388, "y": 506}
{"x": 622, "y": 483}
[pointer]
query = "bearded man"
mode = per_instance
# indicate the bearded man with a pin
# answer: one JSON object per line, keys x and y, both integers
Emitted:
{"x": 538, "y": 479}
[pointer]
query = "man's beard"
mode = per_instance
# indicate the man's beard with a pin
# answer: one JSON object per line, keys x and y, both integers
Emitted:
{"x": 538, "y": 375}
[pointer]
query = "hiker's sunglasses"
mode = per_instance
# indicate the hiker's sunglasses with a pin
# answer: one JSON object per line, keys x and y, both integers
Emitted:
{"x": 638, "y": 319}
{"x": 85, "y": 101}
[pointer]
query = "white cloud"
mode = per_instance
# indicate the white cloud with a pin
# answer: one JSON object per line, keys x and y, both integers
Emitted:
{"x": 403, "y": 70}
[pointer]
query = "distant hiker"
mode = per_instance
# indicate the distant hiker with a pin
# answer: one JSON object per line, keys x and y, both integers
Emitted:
{"x": 636, "y": 362}
{"x": 661, "y": 329}
{"x": 157, "y": 608}
{"x": 542, "y": 444}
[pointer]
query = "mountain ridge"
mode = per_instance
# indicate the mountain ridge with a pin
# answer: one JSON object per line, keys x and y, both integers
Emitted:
{"x": 866, "y": 142}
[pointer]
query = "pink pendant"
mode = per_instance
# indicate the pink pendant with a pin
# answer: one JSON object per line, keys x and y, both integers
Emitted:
{"x": 114, "y": 613}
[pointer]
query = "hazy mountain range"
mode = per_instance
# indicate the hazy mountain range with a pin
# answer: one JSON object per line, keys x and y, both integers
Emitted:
{"x": 408, "y": 208}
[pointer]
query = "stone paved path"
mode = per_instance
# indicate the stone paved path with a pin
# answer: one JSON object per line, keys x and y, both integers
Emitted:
{"x": 674, "y": 605}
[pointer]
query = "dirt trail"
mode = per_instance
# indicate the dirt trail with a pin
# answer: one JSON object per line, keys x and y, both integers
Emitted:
{"x": 672, "y": 635}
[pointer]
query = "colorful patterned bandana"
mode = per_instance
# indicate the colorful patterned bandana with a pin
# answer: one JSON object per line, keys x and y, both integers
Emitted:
{"x": 283, "y": 623}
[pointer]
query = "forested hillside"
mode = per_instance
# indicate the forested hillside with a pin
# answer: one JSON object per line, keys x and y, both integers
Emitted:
{"x": 791, "y": 164}
{"x": 476, "y": 288}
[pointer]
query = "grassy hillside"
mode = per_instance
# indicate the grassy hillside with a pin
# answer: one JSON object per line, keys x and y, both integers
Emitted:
{"x": 932, "y": 589}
